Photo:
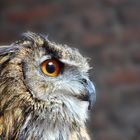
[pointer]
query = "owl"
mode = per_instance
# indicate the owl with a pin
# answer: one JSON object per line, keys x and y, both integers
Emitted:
{"x": 45, "y": 91}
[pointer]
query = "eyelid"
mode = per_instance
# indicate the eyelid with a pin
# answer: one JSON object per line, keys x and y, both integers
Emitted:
{"x": 44, "y": 58}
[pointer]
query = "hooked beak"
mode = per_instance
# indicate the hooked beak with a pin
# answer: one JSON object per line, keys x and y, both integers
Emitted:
{"x": 90, "y": 93}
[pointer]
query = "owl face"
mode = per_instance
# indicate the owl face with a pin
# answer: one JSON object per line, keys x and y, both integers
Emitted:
{"x": 53, "y": 71}
{"x": 49, "y": 75}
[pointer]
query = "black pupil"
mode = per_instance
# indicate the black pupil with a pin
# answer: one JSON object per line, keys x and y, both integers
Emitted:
{"x": 50, "y": 67}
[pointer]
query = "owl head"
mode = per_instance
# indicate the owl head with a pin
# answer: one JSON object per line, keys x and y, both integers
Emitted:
{"x": 55, "y": 77}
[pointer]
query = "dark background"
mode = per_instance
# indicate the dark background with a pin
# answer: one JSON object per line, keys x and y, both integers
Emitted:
{"x": 107, "y": 31}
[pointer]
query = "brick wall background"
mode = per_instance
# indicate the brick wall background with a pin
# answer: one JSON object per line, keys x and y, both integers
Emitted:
{"x": 108, "y": 31}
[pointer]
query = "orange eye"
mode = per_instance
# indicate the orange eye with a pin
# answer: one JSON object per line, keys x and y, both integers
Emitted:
{"x": 50, "y": 67}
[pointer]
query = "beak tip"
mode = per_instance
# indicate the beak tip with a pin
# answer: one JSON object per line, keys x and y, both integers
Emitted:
{"x": 91, "y": 94}
{"x": 91, "y": 102}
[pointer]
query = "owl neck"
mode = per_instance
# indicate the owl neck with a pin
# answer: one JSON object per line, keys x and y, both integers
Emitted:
{"x": 56, "y": 122}
{"x": 44, "y": 130}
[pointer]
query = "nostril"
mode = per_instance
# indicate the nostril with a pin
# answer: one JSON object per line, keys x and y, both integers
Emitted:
{"x": 84, "y": 81}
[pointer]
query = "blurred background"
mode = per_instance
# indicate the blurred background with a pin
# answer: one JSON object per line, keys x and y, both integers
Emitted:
{"x": 107, "y": 31}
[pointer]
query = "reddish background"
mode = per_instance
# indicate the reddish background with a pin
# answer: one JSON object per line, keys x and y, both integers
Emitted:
{"x": 107, "y": 31}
